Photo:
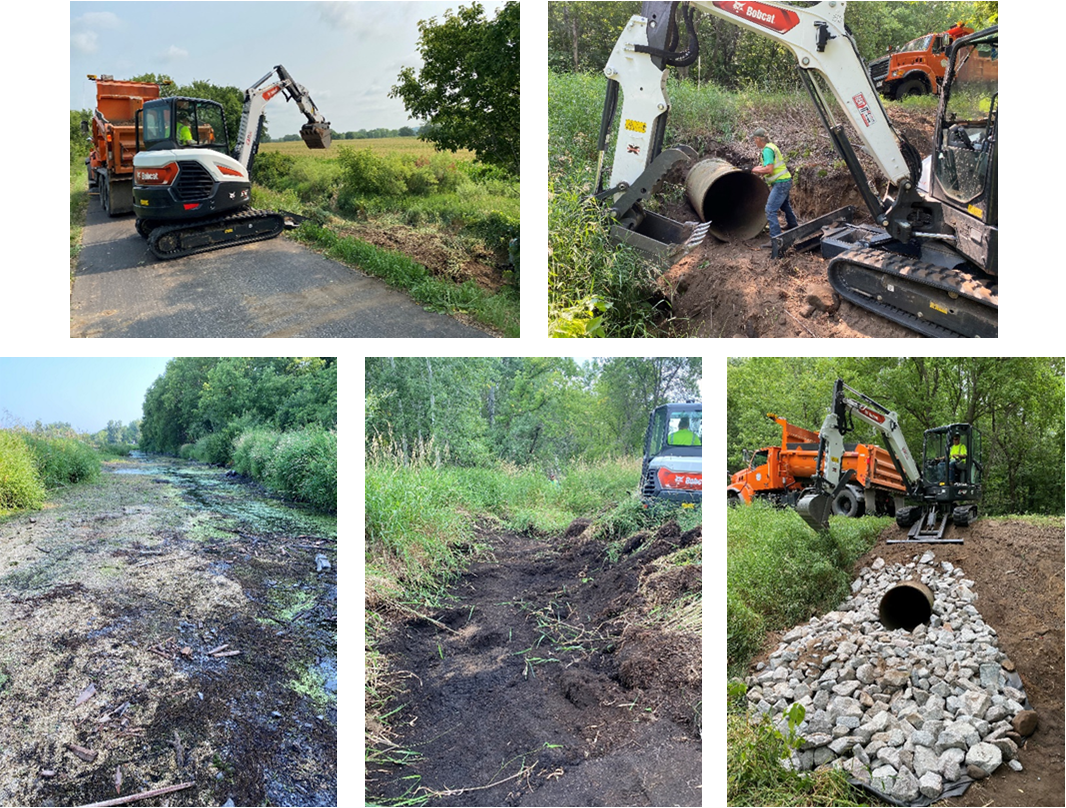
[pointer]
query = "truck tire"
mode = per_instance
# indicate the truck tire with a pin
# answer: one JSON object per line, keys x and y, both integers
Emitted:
{"x": 849, "y": 503}
{"x": 911, "y": 87}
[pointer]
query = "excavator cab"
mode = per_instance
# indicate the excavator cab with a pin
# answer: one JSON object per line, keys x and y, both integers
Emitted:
{"x": 951, "y": 463}
{"x": 950, "y": 486}
{"x": 181, "y": 123}
{"x": 965, "y": 165}
{"x": 673, "y": 455}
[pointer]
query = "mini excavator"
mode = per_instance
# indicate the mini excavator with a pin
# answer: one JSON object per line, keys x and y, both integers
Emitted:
{"x": 191, "y": 194}
{"x": 947, "y": 484}
{"x": 930, "y": 260}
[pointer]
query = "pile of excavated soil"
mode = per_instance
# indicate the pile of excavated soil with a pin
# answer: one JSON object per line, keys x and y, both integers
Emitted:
{"x": 737, "y": 289}
{"x": 545, "y": 682}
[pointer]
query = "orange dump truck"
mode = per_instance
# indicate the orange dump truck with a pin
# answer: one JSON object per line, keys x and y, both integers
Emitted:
{"x": 916, "y": 68}
{"x": 111, "y": 132}
{"x": 779, "y": 473}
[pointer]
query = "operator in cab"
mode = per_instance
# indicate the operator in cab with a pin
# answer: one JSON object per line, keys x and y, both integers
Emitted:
{"x": 684, "y": 436}
{"x": 184, "y": 130}
{"x": 956, "y": 459}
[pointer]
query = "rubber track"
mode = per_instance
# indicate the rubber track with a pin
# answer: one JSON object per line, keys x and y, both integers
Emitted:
{"x": 915, "y": 272}
{"x": 238, "y": 218}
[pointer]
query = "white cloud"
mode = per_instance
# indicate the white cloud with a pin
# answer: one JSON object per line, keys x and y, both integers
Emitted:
{"x": 174, "y": 54}
{"x": 84, "y": 37}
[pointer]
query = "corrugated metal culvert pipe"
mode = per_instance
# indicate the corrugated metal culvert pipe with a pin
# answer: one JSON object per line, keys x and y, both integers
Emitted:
{"x": 733, "y": 201}
{"x": 906, "y": 605}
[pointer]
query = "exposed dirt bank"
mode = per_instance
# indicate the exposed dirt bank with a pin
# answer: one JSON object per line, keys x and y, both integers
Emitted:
{"x": 736, "y": 289}
{"x": 167, "y": 625}
{"x": 547, "y": 681}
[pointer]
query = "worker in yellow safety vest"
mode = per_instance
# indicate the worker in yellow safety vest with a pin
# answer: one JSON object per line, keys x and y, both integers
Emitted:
{"x": 684, "y": 436}
{"x": 772, "y": 167}
{"x": 184, "y": 132}
{"x": 956, "y": 458}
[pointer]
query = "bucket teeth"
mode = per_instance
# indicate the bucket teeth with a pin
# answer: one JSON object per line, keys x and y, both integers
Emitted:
{"x": 699, "y": 233}
{"x": 316, "y": 135}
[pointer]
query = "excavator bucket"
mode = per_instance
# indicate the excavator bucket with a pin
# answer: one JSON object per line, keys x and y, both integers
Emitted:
{"x": 316, "y": 135}
{"x": 815, "y": 509}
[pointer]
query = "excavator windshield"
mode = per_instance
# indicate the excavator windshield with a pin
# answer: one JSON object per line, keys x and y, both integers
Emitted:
{"x": 674, "y": 426}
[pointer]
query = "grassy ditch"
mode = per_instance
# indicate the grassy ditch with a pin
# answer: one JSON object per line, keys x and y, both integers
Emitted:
{"x": 437, "y": 225}
{"x": 172, "y": 653}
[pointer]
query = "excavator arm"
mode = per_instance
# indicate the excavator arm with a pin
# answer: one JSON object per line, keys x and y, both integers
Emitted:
{"x": 315, "y": 133}
{"x": 822, "y": 45}
{"x": 815, "y": 506}
{"x": 828, "y": 61}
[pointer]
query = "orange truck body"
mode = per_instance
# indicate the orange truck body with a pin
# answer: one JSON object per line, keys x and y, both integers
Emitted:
{"x": 918, "y": 67}
{"x": 780, "y": 473}
{"x": 113, "y": 139}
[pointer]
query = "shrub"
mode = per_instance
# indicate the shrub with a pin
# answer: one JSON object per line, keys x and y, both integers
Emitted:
{"x": 272, "y": 169}
{"x": 20, "y": 482}
{"x": 304, "y": 467}
{"x": 63, "y": 461}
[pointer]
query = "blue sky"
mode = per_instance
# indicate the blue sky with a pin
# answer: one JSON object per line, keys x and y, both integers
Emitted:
{"x": 86, "y": 393}
{"x": 347, "y": 55}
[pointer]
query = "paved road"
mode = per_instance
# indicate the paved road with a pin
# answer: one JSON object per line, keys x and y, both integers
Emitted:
{"x": 274, "y": 288}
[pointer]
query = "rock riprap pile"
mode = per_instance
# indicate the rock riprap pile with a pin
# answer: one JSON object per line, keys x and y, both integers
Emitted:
{"x": 907, "y": 712}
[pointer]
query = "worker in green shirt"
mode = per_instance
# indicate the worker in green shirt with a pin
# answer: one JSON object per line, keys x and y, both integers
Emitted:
{"x": 772, "y": 168}
{"x": 684, "y": 436}
{"x": 184, "y": 132}
{"x": 956, "y": 458}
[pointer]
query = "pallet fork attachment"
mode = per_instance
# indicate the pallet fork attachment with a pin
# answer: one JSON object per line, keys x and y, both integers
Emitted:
{"x": 929, "y": 529}
{"x": 808, "y": 235}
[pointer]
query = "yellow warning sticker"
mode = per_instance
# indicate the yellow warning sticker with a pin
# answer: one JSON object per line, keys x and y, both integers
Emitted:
{"x": 976, "y": 211}
{"x": 941, "y": 309}
{"x": 636, "y": 126}
{"x": 144, "y": 202}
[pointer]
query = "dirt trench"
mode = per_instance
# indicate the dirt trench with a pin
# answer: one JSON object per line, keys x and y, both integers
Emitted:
{"x": 542, "y": 683}
{"x": 736, "y": 289}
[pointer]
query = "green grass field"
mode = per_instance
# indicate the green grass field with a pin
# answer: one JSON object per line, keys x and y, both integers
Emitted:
{"x": 382, "y": 145}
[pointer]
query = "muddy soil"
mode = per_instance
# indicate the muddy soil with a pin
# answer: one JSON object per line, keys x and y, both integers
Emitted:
{"x": 543, "y": 683}
{"x": 439, "y": 252}
{"x": 167, "y": 625}
{"x": 735, "y": 289}
{"x": 1018, "y": 571}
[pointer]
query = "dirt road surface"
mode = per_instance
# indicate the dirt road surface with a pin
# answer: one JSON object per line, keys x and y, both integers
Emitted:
{"x": 273, "y": 288}
{"x": 538, "y": 685}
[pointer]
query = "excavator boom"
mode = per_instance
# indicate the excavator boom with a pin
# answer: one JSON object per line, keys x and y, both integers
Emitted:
{"x": 315, "y": 133}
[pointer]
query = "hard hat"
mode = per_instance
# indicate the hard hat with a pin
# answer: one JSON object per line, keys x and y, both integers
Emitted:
{"x": 760, "y": 132}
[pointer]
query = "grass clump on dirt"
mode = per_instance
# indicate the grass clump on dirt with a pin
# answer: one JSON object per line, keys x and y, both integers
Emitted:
{"x": 300, "y": 465}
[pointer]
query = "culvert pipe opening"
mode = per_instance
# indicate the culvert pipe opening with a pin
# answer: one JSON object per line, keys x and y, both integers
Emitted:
{"x": 906, "y": 605}
{"x": 731, "y": 200}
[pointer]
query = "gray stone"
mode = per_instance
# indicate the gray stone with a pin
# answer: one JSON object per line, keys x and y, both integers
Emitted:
{"x": 922, "y": 706}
